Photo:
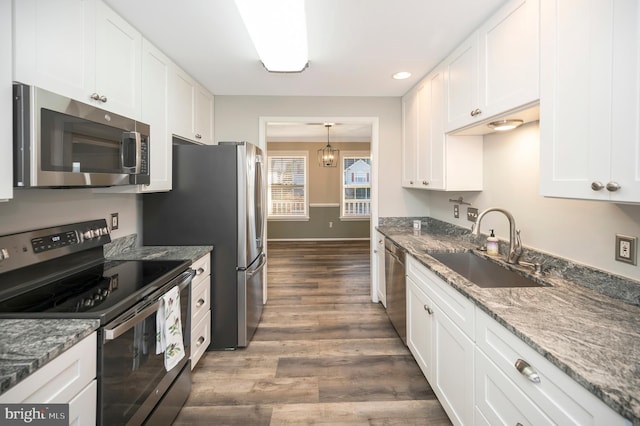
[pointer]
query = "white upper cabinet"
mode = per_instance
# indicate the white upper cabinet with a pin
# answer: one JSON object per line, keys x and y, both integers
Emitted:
{"x": 157, "y": 69}
{"x": 495, "y": 70}
{"x": 80, "y": 49}
{"x": 589, "y": 100}
{"x": 432, "y": 159}
{"x": 6, "y": 147}
{"x": 191, "y": 109}
{"x": 118, "y": 62}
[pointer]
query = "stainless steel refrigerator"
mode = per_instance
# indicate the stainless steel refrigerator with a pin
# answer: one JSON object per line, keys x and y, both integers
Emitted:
{"x": 218, "y": 199}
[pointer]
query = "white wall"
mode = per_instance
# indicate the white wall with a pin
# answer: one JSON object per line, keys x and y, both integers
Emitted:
{"x": 583, "y": 231}
{"x": 236, "y": 118}
{"x": 41, "y": 208}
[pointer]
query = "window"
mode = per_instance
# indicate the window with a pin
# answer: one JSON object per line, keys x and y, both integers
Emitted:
{"x": 356, "y": 185}
{"x": 287, "y": 186}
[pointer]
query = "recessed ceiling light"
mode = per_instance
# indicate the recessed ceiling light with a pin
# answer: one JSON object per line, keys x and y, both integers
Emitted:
{"x": 402, "y": 75}
{"x": 504, "y": 125}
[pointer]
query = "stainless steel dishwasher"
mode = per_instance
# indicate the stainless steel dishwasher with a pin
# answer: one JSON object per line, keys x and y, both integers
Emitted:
{"x": 396, "y": 287}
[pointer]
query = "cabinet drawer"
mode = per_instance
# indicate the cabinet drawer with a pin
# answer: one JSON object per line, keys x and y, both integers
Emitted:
{"x": 453, "y": 304}
{"x": 82, "y": 408}
{"x": 202, "y": 267}
{"x": 200, "y": 338}
{"x": 61, "y": 379}
{"x": 562, "y": 399}
{"x": 200, "y": 299}
{"x": 499, "y": 400}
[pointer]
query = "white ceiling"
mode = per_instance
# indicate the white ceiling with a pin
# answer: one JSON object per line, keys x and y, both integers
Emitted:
{"x": 354, "y": 45}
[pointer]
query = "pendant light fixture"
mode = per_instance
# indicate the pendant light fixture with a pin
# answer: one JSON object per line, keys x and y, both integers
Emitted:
{"x": 328, "y": 156}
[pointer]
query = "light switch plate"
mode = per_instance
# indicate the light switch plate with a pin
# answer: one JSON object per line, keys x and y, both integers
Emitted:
{"x": 626, "y": 249}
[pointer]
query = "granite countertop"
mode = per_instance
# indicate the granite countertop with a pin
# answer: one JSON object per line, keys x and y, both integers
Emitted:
{"x": 192, "y": 253}
{"x": 27, "y": 345}
{"x": 592, "y": 337}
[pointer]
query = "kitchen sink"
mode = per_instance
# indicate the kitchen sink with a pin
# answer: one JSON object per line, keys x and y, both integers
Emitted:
{"x": 483, "y": 272}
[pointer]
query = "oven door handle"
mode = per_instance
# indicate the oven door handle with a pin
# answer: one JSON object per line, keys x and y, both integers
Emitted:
{"x": 130, "y": 319}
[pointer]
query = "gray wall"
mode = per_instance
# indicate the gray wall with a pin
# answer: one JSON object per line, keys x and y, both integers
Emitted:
{"x": 318, "y": 228}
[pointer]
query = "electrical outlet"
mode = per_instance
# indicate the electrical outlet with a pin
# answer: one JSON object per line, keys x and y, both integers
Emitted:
{"x": 114, "y": 221}
{"x": 626, "y": 249}
{"x": 456, "y": 211}
{"x": 472, "y": 214}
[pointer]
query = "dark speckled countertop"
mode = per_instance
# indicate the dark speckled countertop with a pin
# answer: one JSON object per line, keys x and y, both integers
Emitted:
{"x": 592, "y": 337}
{"x": 27, "y": 345}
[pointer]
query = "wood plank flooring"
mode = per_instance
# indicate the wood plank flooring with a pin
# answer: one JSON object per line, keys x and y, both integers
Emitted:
{"x": 324, "y": 354}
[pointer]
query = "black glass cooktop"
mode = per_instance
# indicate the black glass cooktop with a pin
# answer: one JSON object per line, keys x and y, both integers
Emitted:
{"x": 99, "y": 292}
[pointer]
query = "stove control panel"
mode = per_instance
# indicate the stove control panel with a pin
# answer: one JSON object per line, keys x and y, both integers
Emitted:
{"x": 30, "y": 247}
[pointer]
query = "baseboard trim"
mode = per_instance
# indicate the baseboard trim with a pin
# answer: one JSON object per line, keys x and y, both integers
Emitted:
{"x": 319, "y": 239}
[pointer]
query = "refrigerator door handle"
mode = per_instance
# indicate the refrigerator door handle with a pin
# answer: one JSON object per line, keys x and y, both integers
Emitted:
{"x": 262, "y": 261}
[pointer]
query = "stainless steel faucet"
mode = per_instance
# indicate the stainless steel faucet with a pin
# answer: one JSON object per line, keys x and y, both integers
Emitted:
{"x": 515, "y": 245}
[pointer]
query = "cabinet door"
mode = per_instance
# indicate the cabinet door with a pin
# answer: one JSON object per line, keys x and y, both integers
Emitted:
{"x": 434, "y": 156}
{"x": 509, "y": 58}
{"x": 203, "y": 116}
{"x": 54, "y": 45}
{"x": 419, "y": 328}
{"x": 380, "y": 277}
{"x": 462, "y": 84}
{"x": 589, "y": 97}
{"x": 183, "y": 93}
{"x": 453, "y": 375}
{"x": 155, "y": 112}
{"x": 409, "y": 139}
{"x": 117, "y": 63}
{"x": 6, "y": 149}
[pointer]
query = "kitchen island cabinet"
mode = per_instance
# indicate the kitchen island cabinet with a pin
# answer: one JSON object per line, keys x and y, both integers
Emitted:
{"x": 495, "y": 70}
{"x": 200, "y": 308}
{"x": 81, "y": 49}
{"x": 590, "y": 100}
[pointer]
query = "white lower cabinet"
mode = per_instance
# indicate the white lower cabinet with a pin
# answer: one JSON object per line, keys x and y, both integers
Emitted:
{"x": 440, "y": 335}
{"x": 482, "y": 373}
{"x": 200, "y": 308}
{"x": 505, "y": 395}
{"x": 68, "y": 379}
{"x": 381, "y": 288}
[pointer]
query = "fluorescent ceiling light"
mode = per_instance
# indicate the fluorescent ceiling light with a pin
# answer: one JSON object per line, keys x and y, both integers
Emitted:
{"x": 278, "y": 29}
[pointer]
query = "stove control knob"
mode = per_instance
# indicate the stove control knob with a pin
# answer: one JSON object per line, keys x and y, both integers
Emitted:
{"x": 4, "y": 254}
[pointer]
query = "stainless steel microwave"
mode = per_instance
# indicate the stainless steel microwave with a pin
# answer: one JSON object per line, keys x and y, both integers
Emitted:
{"x": 60, "y": 142}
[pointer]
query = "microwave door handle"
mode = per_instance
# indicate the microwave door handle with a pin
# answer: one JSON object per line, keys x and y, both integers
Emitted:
{"x": 129, "y": 138}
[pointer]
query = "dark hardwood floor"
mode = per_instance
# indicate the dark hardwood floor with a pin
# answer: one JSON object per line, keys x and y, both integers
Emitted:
{"x": 323, "y": 354}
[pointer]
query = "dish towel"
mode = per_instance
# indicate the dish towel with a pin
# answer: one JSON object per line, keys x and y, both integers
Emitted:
{"x": 169, "y": 329}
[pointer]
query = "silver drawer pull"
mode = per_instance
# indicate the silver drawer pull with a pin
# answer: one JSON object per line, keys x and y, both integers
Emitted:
{"x": 200, "y": 271}
{"x": 200, "y": 303}
{"x": 526, "y": 370}
{"x": 428, "y": 309}
{"x": 200, "y": 341}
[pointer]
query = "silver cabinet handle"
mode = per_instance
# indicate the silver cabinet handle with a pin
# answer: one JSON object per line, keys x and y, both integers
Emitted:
{"x": 200, "y": 341}
{"x": 428, "y": 309}
{"x": 103, "y": 99}
{"x": 526, "y": 370}
{"x": 198, "y": 136}
{"x": 200, "y": 303}
{"x": 95, "y": 96}
{"x": 475, "y": 112}
{"x": 425, "y": 182}
{"x": 200, "y": 271}
{"x": 411, "y": 182}
{"x": 597, "y": 185}
{"x": 613, "y": 186}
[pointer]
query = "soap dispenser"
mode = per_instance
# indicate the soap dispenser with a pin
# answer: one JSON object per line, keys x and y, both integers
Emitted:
{"x": 492, "y": 244}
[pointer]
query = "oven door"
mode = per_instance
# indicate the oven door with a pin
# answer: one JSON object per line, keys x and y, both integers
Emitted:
{"x": 132, "y": 378}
